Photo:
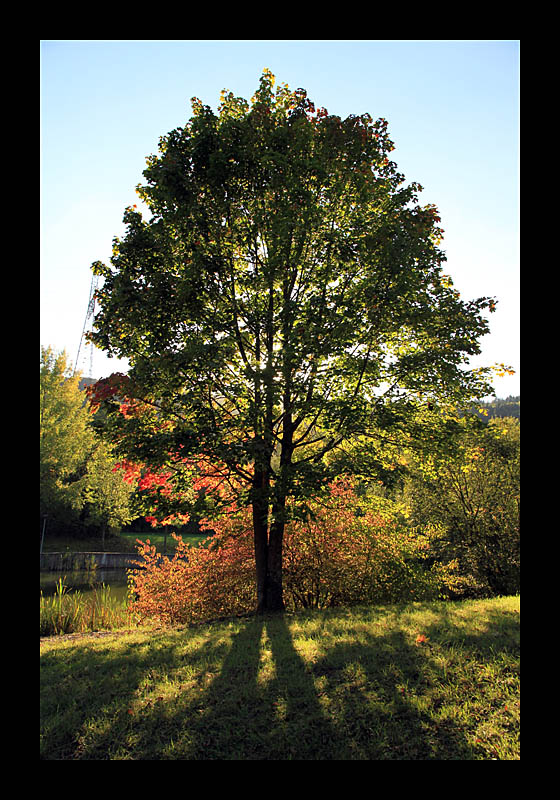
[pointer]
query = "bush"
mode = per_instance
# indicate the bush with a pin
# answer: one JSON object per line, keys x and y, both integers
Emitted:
{"x": 204, "y": 582}
{"x": 356, "y": 550}
{"x": 350, "y": 550}
{"x": 473, "y": 496}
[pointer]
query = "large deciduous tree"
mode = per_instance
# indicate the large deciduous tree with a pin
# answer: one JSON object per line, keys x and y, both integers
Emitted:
{"x": 285, "y": 298}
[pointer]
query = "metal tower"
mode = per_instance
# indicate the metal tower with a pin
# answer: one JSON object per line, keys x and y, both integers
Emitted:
{"x": 89, "y": 316}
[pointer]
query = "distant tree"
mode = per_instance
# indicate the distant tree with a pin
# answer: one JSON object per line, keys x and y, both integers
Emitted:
{"x": 503, "y": 407}
{"x": 106, "y": 496}
{"x": 80, "y": 486}
{"x": 66, "y": 440}
{"x": 286, "y": 297}
{"x": 472, "y": 491}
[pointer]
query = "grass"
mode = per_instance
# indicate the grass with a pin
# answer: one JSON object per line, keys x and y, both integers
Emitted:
{"x": 422, "y": 682}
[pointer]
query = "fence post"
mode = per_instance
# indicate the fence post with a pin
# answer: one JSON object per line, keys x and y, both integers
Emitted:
{"x": 43, "y": 534}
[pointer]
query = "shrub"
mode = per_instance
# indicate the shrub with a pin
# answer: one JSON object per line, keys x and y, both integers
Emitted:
{"x": 204, "y": 582}
{"x": 349, "y": 550}
{"x": 473, "y": 496}
{"x": 356, "y": 550}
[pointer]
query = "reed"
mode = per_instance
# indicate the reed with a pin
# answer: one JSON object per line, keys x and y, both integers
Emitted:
{"x": 72, "y": 612}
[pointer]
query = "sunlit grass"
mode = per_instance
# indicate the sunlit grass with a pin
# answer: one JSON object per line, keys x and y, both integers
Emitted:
{"x": 425, "y": 681}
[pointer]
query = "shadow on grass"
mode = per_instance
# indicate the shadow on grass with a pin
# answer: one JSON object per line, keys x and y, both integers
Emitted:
{"x": 264, "y": 705}
{"x": 498, "y": 630}
{"x": 251, "y": 698}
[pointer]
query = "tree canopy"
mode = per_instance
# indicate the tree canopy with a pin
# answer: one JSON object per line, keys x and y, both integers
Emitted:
{"x": 79, "y": 487}
{"x": 286, "y": 298}
{"x": 65, "y": 437}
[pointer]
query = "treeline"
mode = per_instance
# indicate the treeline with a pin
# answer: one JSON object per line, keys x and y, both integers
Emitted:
{"x": 503, "y": 407}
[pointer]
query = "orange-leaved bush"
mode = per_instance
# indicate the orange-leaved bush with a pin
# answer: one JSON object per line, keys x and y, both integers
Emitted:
{"x": 356, "y": 550}
{"x": 349, "y": 550}
{"x": 197, "y": 583}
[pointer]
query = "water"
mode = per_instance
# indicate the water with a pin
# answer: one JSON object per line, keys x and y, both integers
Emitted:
{"x": 86, "y": 582}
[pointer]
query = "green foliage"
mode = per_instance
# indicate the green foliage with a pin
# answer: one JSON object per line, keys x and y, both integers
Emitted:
{"x": 66, "y": 440}
{"x": 285, "y": 298}
{"x": 80, "y": 490}
{"x": 106, "y": 496}
{"x": 473, "y": 493}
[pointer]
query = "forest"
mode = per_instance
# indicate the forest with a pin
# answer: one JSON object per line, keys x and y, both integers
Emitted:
{"x": 502, "y": 407}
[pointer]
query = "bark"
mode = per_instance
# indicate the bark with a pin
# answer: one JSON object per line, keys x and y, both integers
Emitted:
{"x": 275, "y": 594}
{"x": 260, "y": 532}
{"x": 269, "y": 542}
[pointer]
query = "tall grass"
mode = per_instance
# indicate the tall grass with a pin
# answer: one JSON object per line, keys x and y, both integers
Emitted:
{"x": 72, "y": 612}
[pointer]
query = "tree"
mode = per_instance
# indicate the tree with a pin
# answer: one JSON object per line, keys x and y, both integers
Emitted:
{"x": 354, "y": 550}
{"x": 286, "y": 297}
{"x": 472, "y": 490}
{"x": 106, "y": 495}
{"x": 80, "y": 486}
{"x": 65, "y": 439}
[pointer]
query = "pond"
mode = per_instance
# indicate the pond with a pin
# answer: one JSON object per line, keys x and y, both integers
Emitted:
{"x": 86, "y": 582}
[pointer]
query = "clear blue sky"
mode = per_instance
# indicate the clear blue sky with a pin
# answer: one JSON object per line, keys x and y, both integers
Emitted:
{"x": 453, "y": 113}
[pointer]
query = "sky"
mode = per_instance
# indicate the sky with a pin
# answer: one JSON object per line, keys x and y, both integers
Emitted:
{"x": 452, "y": 108}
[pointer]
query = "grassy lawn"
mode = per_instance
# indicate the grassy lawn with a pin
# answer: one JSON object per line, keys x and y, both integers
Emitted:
{"x": 427, "y": 681}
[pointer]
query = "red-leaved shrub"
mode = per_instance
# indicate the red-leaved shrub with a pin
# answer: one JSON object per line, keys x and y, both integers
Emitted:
{"x": 350, "y": 550}
{"x": 198, "y": 583}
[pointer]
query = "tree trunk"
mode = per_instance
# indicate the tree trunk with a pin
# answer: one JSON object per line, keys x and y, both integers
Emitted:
{"x": 268, "y": 550}
{"x": 260, "y": 531}
{"x": 275, "y": 592}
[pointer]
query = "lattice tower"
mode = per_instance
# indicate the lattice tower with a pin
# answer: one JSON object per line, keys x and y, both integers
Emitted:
{"x": 87, "y": 326}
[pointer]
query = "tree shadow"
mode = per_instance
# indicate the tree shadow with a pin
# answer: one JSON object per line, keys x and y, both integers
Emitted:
{"x": 231, "y": 718}
{"x": 262, "y": 705}
{"x": 374, "y": 686}
{"x": 304, "y": 729}
{"x": 252, "y": 696}
{"x": 358, "y": 702}
{"x": 237, "y": 714}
